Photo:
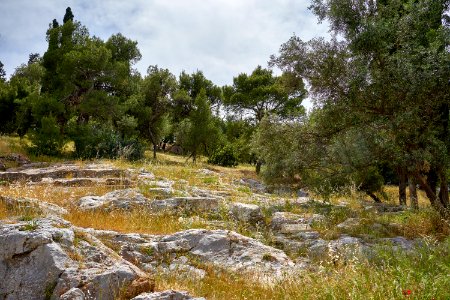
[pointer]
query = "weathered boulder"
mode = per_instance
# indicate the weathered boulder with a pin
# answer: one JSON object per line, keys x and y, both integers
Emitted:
{"x": 167, "y": 295}
{"x": 343, "y": 248}
{"x": 289, "y": 223}
{"x": 254, "y": 185}
{"x": 186, "y": 204}
{"x": 51, "y": 259}
{"x": 349, "y": 224}
{"x": 247, "y": 213}
{"x": 182, "y": 267}
{"x": 120, "y": 199}
{"x": 197, "y": 192}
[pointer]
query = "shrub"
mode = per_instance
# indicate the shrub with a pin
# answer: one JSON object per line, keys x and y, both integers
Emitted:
{"x": 95, "y": 140}
{"x": 47, "y": 139}
{"x": 225, "y": 156}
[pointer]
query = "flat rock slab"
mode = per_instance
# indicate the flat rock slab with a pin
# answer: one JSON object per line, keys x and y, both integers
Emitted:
{"x": 167, "y": 295}
{"x": 186, "y": 204}
{"x": 120, "y": 199}
{"x": 66, "y": 171}
{"x": 290, "y": 223}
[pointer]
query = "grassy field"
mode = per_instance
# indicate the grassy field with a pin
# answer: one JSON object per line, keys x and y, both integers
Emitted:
{"x": 423, "y": 274}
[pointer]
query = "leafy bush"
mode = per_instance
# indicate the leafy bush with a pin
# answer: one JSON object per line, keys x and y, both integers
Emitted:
{"x": 95, "y": 140}
{"x": 47, "y": 139}
{"x": 225, "y": 156}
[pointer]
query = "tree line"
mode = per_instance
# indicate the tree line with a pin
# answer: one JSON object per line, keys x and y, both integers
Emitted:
{"x": 380, "y": 88}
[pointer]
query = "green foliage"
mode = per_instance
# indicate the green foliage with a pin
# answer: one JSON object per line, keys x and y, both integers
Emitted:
{"x": 152, "y": 105}
{"x": 47, "y": 138}
{"x": 68, "y": 16}
{"x": 382, "y": 77}
{"x": 192, "y": 86}
{"x": 95, "y": 140}
{"x": 199, "y": 133}
{"x": 225, "y": 156}
{"x": 261, "y": 93}
{"x": 2, "y": 72}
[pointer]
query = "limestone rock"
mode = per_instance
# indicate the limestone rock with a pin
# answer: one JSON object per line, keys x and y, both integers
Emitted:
{"x": 73, "y": 294}
{"x": 167, "y": 295}
{"x": 224, "y": 249}
{"x": 254, "y": 185}
{"x": 44, "y": 260}
{"x": 248, "y": 213}
{"x": 186, "y": 204}
{"x": 61, "y": 171}
{"x": 349, "y": 224}
{"x": 119, "y": 199}
{"x": 290, "y": 223}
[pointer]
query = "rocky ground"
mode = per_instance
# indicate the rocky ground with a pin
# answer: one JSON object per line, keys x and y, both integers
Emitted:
{"x": 228, "y": 222}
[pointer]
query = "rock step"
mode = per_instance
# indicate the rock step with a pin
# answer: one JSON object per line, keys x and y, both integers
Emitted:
{"x": 61, "y": 172}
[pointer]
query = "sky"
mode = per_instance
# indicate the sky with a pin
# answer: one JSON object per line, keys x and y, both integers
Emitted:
{"x": 222, "y": 38}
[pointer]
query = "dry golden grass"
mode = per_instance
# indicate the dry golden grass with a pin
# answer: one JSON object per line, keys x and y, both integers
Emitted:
{"x": 63, "y": 196}
{"x": 136, "y": 221}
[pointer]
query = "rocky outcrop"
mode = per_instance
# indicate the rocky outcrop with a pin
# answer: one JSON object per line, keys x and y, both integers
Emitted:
{"x": 225, "y": 249}
{"x": 289, "y": 223}
{"x": 167, "y": 295}
{"x": 51, "y": 259}
{"x": 73, "y": 182}
{"x": 254, "y": 185}
{"x": 61, "y": 171}
{"x": 120, "y": 199}
{"x": 186, "y": 204}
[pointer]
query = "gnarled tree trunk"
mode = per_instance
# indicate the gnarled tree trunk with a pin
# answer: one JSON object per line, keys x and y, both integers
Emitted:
{"x": 413, "y": 193}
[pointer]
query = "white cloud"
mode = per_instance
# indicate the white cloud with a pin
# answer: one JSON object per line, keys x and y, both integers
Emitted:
{"x": 220, "y": 37}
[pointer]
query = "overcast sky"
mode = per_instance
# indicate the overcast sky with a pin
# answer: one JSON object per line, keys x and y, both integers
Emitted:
{"x": 220, "y": 37}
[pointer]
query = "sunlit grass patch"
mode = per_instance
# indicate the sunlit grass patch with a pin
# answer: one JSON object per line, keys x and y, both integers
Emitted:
{"x": 135, "y": 221}
{"x": 63, "y": 196}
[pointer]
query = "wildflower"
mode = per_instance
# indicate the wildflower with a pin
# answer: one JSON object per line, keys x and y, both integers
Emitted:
{"x": 406, "y": 292}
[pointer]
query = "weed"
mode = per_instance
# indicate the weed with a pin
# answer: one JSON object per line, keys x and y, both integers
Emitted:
{"x": 30, "y": 226}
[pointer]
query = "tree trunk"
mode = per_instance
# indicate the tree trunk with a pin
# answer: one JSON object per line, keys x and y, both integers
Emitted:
{"x": 154, "y": 151}
{"x": 153, "y": 140}
{"x": 258, "y": 166}
{"x": 432, "y": 179}
{"x": 194, "y": 156}
{"x": 402, "y": 178}
{"x": 443, "y": 193}
{"x": 431, "y": 194}
{"x": 374, "y": 197}
{"x": 413, "y": 193}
